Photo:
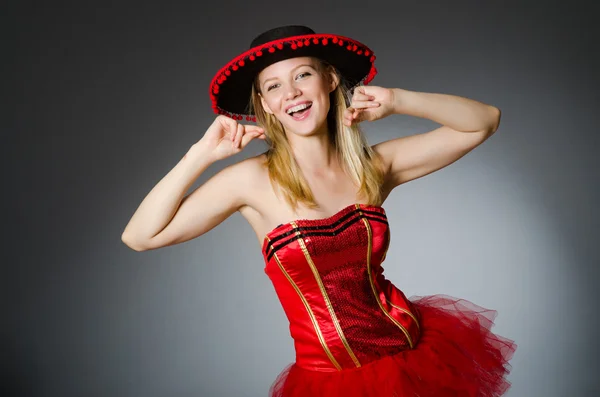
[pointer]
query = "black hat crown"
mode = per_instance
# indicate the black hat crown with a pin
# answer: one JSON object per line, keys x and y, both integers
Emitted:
{"x": 281, "y": 32}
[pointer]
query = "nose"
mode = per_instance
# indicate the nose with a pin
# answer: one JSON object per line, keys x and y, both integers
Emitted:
{"x": 292, "y": 92}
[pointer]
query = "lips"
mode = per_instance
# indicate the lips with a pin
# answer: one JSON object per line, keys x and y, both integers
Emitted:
{"x": 301, "y": 115}
{"x": 309, "y": 103}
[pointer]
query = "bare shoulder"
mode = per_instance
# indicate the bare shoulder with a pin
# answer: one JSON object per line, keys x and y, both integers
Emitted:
{"x": 257, "y": 192}
{"x": 247, "y": 169}
{"x": 252, "y": 176}
{"x": 252, "y": 170}
{"x": 230, "y": 190}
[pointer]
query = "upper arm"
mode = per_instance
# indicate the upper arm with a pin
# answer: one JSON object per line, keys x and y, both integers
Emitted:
{"x": 208, "y": 205}
{"x": 414, "y": 156}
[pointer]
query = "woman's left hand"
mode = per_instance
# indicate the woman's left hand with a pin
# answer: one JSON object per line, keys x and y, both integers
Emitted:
{"x": 369, "y": 103}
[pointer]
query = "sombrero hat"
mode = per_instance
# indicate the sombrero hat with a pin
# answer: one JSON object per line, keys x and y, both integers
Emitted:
{"x": 231, "y": 87}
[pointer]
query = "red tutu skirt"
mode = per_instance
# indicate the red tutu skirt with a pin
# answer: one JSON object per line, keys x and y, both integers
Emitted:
{"x": 456, "y": 355}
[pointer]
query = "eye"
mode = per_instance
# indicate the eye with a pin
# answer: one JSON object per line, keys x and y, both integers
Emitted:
{"x": 272, "y": 86}
{"x": 304, "y": 74}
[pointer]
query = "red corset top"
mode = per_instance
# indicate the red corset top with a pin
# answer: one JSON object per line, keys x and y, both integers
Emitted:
{"x": 327, "y": 274}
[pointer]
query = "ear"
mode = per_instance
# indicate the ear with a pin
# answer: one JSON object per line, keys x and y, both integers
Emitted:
{"x": 264, "y": 105}
{"x": 334, "y": 80}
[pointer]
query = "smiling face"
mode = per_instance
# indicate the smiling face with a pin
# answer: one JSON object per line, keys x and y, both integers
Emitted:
{"x": 296, "y": 91}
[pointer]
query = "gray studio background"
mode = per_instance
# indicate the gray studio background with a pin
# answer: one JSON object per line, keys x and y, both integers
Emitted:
{"x": 109, "y": 96}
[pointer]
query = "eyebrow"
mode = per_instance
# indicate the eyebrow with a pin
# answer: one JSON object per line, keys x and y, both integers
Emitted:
{"x": 296, "y": 67}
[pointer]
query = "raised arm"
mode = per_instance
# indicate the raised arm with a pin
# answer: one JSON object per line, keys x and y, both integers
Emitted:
{"x": 466, "y": 123}
{"x": 165, "y": 217}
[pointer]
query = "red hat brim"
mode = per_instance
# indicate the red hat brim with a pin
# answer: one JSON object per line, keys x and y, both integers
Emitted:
{"x": 231, "y": 87}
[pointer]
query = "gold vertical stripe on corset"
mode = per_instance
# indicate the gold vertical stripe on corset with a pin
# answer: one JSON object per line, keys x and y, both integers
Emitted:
{"x": 390, "y": 303}
{"x": 369, "y": 248}
{"x": 386, "y": 250}
{"x": 405, "y": 311}
{"x": 336, "y": 323}
{"x": 313, "y": 319}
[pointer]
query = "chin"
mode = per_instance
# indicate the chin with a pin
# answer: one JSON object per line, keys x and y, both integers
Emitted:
{"x": 306, "y": 127}
{"x": 305, "y": 130}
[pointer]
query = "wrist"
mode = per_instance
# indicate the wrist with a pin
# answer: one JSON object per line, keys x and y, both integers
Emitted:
{"x": 200, "y": 154}
{"x": 399, "y": 100}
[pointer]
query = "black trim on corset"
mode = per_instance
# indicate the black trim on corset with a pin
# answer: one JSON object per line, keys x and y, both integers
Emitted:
{"x": 271, "y": 250}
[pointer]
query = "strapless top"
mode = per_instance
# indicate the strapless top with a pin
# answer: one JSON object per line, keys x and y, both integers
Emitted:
{"x": 328, "y": 276}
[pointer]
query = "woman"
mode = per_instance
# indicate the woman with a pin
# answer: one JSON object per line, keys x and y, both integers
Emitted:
{"x": 315, "y": 199}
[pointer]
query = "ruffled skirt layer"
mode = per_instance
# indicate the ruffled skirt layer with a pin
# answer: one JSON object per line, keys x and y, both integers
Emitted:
{"x": 456, "y": 355}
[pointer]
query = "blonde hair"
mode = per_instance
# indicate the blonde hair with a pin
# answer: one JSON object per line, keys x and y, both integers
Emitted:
{"x": 356, "y": 157}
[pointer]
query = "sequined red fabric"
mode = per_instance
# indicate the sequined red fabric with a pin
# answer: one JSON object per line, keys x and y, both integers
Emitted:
{"x": 356, "y": 334}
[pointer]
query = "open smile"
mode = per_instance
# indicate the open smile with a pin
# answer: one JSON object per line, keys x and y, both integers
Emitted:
{"x": 300, "y": 112}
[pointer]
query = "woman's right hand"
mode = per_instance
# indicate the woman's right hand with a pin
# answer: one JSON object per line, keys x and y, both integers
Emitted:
{"x": 226, "y": 137}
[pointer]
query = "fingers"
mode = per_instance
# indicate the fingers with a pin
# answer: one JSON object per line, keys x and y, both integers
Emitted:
{"x": 364, "y": 104}
{"x": 250, "y": 136}
{"x": 245, "y": 133}
{"x": 359, "y": 96}
{"x": 350, "y": 115}
{"x": 254, "y": 128}
{"x": 228, "y": 125}
{"x": 359, "y": 90}
{"x": 239, "y": 133}
{"x": 361, "y": 100}
{"x": 254, "y": 131}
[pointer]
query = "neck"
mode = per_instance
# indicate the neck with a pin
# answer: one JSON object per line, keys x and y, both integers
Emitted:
{"x": 315, "y": 154}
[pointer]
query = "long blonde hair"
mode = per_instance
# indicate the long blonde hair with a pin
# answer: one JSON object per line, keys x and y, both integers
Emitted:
{"x": 356, "y": 157}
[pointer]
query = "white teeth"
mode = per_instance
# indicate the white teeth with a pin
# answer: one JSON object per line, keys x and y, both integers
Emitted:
{"x": 298, "y": 108}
